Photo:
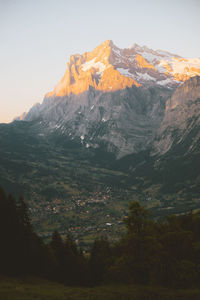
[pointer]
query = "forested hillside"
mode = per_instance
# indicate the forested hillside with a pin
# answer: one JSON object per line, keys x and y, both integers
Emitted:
{"x": 165, "y": 253}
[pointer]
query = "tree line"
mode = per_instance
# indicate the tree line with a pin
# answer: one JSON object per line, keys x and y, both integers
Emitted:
{"x": 164, "y": 253}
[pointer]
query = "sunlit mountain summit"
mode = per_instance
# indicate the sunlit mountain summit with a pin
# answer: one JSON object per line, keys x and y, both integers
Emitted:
{"x": 109, "y": 68}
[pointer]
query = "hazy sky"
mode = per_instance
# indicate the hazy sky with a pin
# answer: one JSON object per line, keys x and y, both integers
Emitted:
{"x": 38, "y": 36}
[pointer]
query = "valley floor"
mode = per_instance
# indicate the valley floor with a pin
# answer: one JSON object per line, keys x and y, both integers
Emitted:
{"x": 29, "y": 289}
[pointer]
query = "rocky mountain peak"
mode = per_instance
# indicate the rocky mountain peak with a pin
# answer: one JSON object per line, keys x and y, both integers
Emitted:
{"x": 110, "y": 68}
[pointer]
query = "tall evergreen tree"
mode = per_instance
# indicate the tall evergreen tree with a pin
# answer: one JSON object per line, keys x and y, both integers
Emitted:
{"x": 99, "y": 260}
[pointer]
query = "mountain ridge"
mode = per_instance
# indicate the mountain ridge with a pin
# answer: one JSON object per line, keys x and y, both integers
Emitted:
{"x": 97, "y": 102}
{"x": 109, "y": 68}
{"x": 130, "y": 66}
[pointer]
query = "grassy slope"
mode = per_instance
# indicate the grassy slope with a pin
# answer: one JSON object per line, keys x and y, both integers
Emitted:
{"x": 15, "y": 289}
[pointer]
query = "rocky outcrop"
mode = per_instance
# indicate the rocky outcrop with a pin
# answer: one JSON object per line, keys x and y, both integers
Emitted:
{"x": 181, "y": 123}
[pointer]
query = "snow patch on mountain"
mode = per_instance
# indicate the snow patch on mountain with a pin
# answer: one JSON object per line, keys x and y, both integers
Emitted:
{"x": 145, "y": 76}
{"x": 96, "y": 65}
{"x": 125, "y": 72}
{"x": 190, "y": 67}
{"x": 116, "y": 51}
{"x": 165, "y": 81}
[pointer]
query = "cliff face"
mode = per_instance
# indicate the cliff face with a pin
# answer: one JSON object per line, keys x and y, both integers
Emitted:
{"x": 92, "y": 69}
{"x": 181, "y": 122}
{"x": 122, "y": 122}
{"x": 109, "y": 68}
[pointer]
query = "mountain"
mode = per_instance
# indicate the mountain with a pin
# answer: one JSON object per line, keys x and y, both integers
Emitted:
{"x": 122, "y": 125}
{"x": 109, "y": 68}
{"x": 113, "y": 98}
{"x": 181, "y": 122}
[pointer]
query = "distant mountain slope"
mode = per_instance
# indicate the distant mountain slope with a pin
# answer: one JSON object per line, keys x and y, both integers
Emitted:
{"x": 181, "y": 122}
{"x": 122, "y": 122}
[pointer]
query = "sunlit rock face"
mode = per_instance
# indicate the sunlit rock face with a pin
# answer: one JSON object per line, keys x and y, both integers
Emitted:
{"x": 93, "y": 69}
{"x": 109, "y": 68}
{"x": 114, "y": 98}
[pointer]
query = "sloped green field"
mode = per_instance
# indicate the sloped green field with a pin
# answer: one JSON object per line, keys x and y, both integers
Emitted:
{"x": 32, "y": 289}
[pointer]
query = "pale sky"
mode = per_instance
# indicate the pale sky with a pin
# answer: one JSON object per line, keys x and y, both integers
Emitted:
{"x": 38, "y": 36}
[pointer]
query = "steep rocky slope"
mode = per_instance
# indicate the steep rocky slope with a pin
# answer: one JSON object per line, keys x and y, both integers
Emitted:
{"x": 181, "y": 123}
{"x": 122, "y": 122}
{"x": 109, "y": 68}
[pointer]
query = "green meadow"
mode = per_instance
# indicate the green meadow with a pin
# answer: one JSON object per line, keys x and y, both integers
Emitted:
{"x": 38, "y": 289}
